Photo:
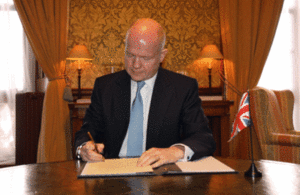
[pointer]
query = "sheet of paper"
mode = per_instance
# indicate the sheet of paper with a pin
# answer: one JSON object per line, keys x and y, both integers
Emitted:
{"x": 114, "y": 167}
{"x": 205, "y": 165}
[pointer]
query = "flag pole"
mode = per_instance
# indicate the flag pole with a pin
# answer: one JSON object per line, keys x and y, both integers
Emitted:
{"x": 252, "y": 171}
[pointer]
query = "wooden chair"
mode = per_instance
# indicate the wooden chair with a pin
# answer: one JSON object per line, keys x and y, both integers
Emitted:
{"x": 272, "y": 117}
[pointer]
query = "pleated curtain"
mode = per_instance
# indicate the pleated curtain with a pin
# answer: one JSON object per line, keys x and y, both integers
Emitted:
{"x": 45, "y": 24}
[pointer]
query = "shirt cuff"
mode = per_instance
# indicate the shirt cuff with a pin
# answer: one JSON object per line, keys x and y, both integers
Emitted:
{"x": 188, "y": 153}
{"x": 78, "y": 150}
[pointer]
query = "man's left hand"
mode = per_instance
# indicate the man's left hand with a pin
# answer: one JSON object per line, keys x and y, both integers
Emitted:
{"x": 160, "y": 156}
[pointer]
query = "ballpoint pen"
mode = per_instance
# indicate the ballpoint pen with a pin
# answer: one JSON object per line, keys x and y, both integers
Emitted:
{"x": 93, "y": 142}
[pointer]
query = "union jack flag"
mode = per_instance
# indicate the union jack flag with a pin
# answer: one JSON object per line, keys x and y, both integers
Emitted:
{"x": 242, "y": 119}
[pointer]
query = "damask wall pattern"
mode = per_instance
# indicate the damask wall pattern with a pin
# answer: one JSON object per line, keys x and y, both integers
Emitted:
{"x": 101, "y": 25}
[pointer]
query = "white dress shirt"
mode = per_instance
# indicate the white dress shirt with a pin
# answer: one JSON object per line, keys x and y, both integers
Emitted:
{"x": 146, "y": 93}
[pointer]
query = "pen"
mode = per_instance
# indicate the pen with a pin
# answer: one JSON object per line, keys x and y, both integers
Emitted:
{"x": 93, "y": 142}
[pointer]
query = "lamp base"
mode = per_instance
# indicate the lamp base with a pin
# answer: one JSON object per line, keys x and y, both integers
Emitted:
{"x": 253, "y": 172}
{"x": 209, "y": 80}
{"x": 79, "y": 84}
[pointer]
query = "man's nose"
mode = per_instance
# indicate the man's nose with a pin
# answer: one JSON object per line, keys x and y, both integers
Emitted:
{"x": 137, "y": 62}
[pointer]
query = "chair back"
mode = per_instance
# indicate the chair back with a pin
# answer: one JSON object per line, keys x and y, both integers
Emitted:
{"x": 265, "y": 114}
{"x": 286, "y": 103}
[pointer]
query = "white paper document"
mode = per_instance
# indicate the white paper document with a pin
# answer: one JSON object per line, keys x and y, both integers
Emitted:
{"x": 114, "y": 167}
{"x": 205, "y": 165}
{"x": 127, "y": 167}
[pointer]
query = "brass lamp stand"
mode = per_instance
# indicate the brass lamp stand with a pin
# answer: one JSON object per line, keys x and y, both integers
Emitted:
{"x": 79, "y": 53}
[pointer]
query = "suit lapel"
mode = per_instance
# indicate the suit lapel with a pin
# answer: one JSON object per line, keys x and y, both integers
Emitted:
{"x": 162, "y": 94}
{"x": 121, "y": 107}
{"x": 121, "y": 103}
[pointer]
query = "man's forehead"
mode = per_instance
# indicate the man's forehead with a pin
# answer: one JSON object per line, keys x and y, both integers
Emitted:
{"x": 138, "y": 48}
{"x": 144, "y": 38}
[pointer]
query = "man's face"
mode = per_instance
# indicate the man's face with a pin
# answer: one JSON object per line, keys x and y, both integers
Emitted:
{"x": 142, "y": 59}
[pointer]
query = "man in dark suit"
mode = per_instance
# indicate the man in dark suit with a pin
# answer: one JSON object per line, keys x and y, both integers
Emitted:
{"x": 173, "y": 125}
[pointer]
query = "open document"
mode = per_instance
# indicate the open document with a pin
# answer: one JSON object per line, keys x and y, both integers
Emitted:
{"x": 127, "y": 167}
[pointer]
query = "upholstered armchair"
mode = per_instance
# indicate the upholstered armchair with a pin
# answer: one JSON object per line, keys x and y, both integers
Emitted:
{"x": 272, "y": 117}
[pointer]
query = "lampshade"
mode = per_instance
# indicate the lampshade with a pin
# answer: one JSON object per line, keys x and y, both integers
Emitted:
{"x": 80, "y": 52}
{"x": 211, "y": 51}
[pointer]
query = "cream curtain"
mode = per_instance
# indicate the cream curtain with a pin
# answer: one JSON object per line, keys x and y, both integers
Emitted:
{"x": 16, "y": 59}
{"x": 45, "y": 24}
{"x": 247, "y": 31}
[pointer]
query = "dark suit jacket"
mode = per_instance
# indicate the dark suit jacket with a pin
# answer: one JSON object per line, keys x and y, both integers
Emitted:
{"x": 175, "y": 114}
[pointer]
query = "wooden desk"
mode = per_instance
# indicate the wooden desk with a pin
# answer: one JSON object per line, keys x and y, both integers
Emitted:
{"x": 216, "y": 111}
{"x": 61, "y": 178}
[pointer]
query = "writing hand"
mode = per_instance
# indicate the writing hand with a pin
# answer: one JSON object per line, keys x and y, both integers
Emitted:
{"x": 88, "y": 152}
{"x": 160, "y": 156}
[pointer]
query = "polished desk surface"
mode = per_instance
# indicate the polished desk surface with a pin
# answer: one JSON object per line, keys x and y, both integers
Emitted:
{"x": 61, "y": 178}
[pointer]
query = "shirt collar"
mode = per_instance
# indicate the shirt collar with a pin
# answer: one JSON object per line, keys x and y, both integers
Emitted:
{"x": 149, "y": 82}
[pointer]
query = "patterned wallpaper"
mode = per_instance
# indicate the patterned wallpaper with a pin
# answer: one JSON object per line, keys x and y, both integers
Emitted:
{"x": 101, "y": 25}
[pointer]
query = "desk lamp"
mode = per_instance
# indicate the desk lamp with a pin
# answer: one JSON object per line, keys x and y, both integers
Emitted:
{"x": 79, "y": 53}
{"x": 209, "y": 53}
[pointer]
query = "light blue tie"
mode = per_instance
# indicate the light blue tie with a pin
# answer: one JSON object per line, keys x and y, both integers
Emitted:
{"x": 135, "y": 129}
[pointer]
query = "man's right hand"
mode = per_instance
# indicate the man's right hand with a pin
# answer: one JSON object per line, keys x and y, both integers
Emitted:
{"x": 88, "y": 152}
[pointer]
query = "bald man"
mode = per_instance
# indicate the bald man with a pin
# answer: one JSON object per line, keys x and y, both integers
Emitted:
{"x": 173, "y": 126}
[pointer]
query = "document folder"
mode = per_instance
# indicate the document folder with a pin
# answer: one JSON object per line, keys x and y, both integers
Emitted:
{"x": 127, "y": 167}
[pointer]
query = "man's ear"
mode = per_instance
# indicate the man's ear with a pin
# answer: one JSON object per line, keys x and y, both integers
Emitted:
{"x": 163, "y": 54}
